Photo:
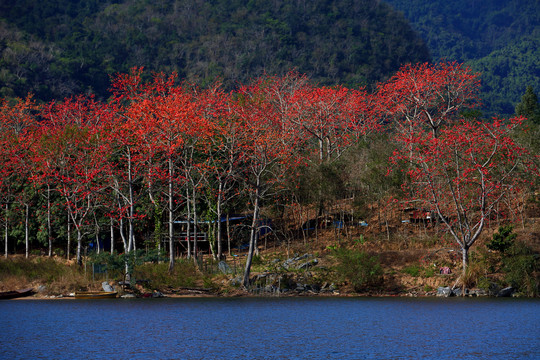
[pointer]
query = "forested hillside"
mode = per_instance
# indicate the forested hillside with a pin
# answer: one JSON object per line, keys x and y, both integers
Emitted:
{"x": 150, "y": 123}
{"x": 57, "y": 48}
{"x": 498, "y": 38}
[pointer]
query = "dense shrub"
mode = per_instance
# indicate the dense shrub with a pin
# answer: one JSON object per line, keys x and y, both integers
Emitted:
{"x": 115, "y": 264}
{"x": 521, "y": 269}
{"x": 184, "y": 274}
{"x": 361, "y": 270}
{"x": 503, "y": 239}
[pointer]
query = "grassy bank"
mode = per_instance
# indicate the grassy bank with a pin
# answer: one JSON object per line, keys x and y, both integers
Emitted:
{"x": 368, "y": 264}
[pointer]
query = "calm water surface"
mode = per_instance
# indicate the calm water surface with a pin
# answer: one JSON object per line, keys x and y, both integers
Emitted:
{"x": 276, "y": 328}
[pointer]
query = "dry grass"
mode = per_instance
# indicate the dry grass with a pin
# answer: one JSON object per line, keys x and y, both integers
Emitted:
{"x": 54, "y": 274}
{"x": 399, "y": 246}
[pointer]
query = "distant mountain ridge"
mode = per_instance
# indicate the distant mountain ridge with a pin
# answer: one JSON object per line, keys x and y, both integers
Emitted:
{"x": 496, "y": 37}
{"x": 349, "y": 42}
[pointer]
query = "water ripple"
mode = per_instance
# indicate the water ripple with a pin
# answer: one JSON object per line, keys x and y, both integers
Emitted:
{"x": 291, "y": 328}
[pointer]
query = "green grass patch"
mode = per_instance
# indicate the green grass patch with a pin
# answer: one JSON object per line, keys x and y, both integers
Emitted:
{"x": 184, "y": 274}
{"x": 413, "y": 270}
{"x": 418, "y": 270}
{"x": 358, "y": 268}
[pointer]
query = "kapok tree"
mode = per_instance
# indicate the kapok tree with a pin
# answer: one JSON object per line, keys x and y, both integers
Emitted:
{"x": 334, "y": 118}
{"x": 73, "y": 152}
{"x": 325, "y": 121}
{"x": 17, "y": 122}
{"x": 428, "y": 96}
{"x": 171, "y": 122}
{"x": 221, "y": 157}
{"x": 141, "y": 123}
{"x": 268, "y": 145}
{"x": 126, "y": 136}
{"x": 126, "y": 173}
{"x": 330, "y": 121}
{"x": 465, "y": 174}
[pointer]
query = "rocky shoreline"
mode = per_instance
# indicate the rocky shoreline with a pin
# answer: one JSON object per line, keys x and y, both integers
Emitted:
{"x": 302, "y": 290}
{"x": 307, "y": 275}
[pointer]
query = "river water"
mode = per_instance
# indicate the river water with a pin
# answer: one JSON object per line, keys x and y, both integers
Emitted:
{"x": 271, "y": 328}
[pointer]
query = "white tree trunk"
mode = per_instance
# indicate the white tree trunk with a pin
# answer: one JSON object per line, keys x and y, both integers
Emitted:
{"x": 195, "y": 232}
{"x": 188, "y": 225}
{"x": 112, "y": 235}
{"x": 252, "y": 238}
{"x": 49, "y": 227}
{"x": 68, "y": 235}
{"x": 171, "y": 218}
{"x": 131, "y": 233}
{"x": 6, "y": 234}
{"x": 79, "y": 245}
{"x": 26, "y": 229}
{"x": 218, "y": 211}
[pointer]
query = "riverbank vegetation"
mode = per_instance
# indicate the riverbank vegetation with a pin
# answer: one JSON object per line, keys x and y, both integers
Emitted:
{"x": 375, "y": 266}
{"x": 279, "y": 186}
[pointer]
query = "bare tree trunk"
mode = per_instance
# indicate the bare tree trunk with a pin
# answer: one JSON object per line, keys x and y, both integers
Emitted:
{"x": 256, "y": 241}
{"x": 304, "y": 235}
{"x": 159, "y": 242}
{"x": 131, "y": 236}
{"x": 212, "y": 238}
{"x": 6, "y": 234}
{"x": 252, "y": 238}
{"x": 328, "y": 149}
{"x": 188, "y": 225}
{"x": 465, "y": 258}
{"x": 98, "y": 245}
{"x": 79, "y": 245}
{"x": 194, "y": 225}
{"x": 171, "y": 219}
{"x": 49, "y": 227}
{"x": 218, "y": 210}
{"x": 228, "y": 235}
{"x": 131, "y": 230}
{"x": 68, "y": 235}
{"x": 122, "y": 235}
{"x": 26, "y": 229}
{"x": 112, "y": 236}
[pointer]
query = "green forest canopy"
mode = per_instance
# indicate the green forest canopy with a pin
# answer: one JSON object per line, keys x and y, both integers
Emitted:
{"x": 498, "y": 38}
{"x": 79, "y": 44}
{"x": 59, "y": 48}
